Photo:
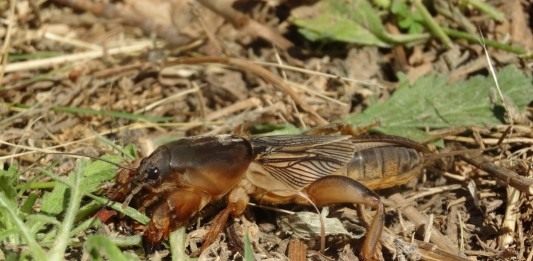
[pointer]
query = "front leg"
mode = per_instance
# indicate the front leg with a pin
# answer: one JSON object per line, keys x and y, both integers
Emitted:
{"x": 171, "y": 213}
{"x": 340, "y": 189}
{"x": 237, "y": 202}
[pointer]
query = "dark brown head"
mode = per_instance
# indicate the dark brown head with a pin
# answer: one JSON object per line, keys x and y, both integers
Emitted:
{"x": 154, "y": 168}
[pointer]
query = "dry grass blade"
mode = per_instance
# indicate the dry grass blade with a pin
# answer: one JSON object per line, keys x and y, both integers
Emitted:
{"x": 7, "y": 40}
{"x": 82, "y": 56}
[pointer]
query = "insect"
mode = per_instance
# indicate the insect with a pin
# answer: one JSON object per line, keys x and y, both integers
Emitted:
{"x": 181, "y": 177}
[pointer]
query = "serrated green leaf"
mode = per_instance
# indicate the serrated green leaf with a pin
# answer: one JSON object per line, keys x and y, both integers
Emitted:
{"x": 352, "y": 21}
{"x": 433, "y": 103}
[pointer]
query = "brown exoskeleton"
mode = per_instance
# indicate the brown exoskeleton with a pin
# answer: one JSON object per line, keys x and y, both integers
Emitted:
{"x": 180, "y": 178}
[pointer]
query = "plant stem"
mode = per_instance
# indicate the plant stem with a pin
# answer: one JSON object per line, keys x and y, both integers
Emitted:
{"x": 62, "y": 239}
{"x": 487, "y": 9}
{"x": 432, "y": 25}
{"x": 490, "y": 43}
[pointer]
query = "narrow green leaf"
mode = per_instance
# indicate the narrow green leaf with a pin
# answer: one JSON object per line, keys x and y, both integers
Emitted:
{"x": 17, "y": 57}
{"x": 97, "y": 246}
{"x": 487, "y": 9}
{"x": 36, "y": 185}
{"x": 177, "y": 244}
{"x": 27, "y": 206}
{"x": 248, "y": 250}
{"x": 88, "y": 210}
{"x": 88, "y": 223}
{"x": 128, "y": 211}
{"x": 490, "y": 43}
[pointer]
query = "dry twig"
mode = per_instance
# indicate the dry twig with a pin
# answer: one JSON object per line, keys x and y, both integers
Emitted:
{"x": 521, "y": 183}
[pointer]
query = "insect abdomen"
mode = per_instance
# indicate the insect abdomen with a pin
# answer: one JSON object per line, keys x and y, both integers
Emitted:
{"x": 383, "y": 167}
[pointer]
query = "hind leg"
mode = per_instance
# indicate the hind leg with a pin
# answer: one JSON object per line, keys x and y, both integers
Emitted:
{"x": 340, "y": 189}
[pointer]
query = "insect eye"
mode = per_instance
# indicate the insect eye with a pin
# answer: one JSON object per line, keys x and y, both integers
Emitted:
{"x": 153, "y": 173}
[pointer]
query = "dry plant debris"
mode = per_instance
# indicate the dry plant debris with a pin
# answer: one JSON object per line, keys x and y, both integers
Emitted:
{"x": 94, "y": 77}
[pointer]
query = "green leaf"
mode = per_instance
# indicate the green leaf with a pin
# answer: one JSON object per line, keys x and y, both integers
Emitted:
{"x": 130, "y": 150}
{"x": 99, "y": 246}
{"x": 352, "y": 21}
{"x": 53, "y": 202}
{"x": 128, "y": 211}
{"x": 8, "y": 180}
{"x": 408, "y": 19}
{"x": 27, "y": 206}
{"x": 248, "y": 250}
{"x": 97, "y": 172}
{"x": 433, "y": 103}
{"x": 177, "y": 244}
{"x": 487, "y": 9}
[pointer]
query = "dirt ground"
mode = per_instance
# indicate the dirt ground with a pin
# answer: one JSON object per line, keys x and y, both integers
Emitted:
{"x": 91, "y": 77}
